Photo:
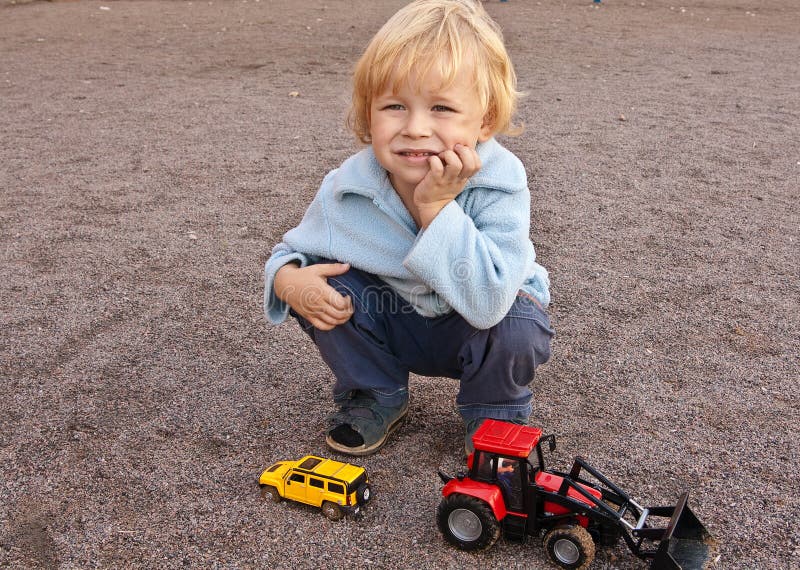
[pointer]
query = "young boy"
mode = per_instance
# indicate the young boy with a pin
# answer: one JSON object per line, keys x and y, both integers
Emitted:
{"x": 415, "y": 255}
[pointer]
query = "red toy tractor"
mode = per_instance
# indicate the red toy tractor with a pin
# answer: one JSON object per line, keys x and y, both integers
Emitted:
{"x": 508, "y": 489}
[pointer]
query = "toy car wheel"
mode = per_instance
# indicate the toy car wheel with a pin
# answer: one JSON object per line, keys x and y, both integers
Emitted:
{"x": 270, "y": 493}
{"x": 467, "y": 522}
{"x": 570, "y": 547}
{"x": 332, "y": 511}
{"x": 363, "y": 493}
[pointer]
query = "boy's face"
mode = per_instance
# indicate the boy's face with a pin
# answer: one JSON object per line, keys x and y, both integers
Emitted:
{"x": 424, "y": 118}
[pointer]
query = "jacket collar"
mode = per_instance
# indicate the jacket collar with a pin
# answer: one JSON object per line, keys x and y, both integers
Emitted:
{"x": 362, "y": 174}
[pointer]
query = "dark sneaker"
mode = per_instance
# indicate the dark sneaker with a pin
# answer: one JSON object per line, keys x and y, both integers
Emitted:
{"x": 361, "y": 426}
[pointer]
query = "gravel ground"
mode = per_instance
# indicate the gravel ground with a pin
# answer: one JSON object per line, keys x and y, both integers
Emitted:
{"x": 152, "y": 152}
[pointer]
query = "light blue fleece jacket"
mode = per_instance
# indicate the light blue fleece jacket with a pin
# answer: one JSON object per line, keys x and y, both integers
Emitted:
{"x": 472, "y": 258}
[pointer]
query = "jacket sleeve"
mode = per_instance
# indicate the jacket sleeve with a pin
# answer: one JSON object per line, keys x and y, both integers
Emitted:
{"x": 477, "y": 264}
{"x": 306, "y": 243}
{"x": 275, "y": 309}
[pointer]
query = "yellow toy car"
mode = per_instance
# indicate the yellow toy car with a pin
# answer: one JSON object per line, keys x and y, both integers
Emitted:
{"x": 338, "y": 488}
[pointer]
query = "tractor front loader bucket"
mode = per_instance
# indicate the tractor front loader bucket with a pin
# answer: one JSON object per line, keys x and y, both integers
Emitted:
{"x": 685, "y": 544}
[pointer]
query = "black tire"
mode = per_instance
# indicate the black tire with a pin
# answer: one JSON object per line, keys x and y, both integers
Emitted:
{"x": 332, "y": 511}
{"x": 467, "y": 522}
{"x": 364, "y": 493}
{"x": 270, "y": 493}
{"x": 570, "y": 547}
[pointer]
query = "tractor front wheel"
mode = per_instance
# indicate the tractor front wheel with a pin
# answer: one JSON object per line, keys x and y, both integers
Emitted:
{"x": 467, "y": 522}
{"x": 570, "y": 547}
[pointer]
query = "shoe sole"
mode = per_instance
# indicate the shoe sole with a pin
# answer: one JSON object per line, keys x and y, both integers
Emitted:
{"x": 366, "y": 449}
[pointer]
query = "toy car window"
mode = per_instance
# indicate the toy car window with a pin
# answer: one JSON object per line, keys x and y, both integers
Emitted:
{"x": 310, "y": 463}
{"x": 509, "y": 479}
{"x": 508, "y": 464}
{"x": 297, "y": 478}
{"x": 316, "y": 483}
{"x": 485, "y": 466}
{"x": 335, "y": 488}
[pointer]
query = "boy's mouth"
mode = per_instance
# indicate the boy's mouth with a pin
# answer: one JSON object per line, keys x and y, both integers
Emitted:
{"x": 417, "y": 153}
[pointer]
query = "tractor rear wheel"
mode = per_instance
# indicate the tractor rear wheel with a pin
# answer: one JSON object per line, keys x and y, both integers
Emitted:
{"x": 570, "y": 547}
{"x": 467, "y": 522}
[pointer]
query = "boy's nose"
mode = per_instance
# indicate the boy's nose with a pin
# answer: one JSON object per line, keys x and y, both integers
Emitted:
{"x": 417, "y": 126}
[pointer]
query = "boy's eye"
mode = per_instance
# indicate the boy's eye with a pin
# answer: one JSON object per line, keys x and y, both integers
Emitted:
{"x": 393, "y": 107}
{"x": 443, "y": 109}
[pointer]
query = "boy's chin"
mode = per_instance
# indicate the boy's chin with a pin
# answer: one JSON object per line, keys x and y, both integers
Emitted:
{"x": 407, "y": 181}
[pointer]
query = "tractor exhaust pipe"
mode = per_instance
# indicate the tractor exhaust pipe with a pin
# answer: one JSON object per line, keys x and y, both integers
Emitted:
{"x": 444, "y": 477}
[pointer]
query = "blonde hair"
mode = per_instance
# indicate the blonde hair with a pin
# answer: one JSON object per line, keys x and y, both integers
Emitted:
{"x": 444, "y": 33}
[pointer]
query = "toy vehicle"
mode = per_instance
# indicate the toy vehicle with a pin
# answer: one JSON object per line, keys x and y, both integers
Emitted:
{"x": 508, "y": 489}
{"x": 338, "y": 488}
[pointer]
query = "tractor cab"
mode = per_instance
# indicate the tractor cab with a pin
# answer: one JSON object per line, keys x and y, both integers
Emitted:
{"x": 510, "y": 457}
{"x": 510, "y": 473}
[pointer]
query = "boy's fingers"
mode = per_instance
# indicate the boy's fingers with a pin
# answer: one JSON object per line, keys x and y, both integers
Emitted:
{"x": 436, "y": 165}
{"x": 339, "y": 304}
{"x": 342, "y": 268}
{"x": 348, "y": 304}
{"x": 338, "y": 319}
{"x": 469, "y": 159}
{"x": 328, "y": 320}
{"x": 452, "y": 163}
{"x": 325, "y": 314}
{"x": 328, "y": 269}
{"x": 340, "y": 307}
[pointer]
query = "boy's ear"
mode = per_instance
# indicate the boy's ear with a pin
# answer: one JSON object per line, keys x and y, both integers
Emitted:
{"x": 487, "y": 128}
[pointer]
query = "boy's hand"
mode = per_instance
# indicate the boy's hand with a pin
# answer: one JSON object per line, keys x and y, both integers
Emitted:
{"x": 449, "y": 172}
{"x": 306, "y": 290}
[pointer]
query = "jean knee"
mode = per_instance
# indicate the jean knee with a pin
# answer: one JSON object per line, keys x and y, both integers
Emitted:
{"x": 524, "y": 340}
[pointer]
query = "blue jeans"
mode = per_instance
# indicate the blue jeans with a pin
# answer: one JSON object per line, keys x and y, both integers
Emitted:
{"x": 386, "y": 338}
